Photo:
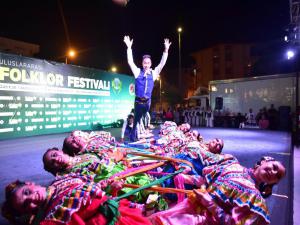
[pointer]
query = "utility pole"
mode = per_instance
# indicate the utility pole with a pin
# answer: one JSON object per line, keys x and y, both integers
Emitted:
{"x": 179, "y": 30}
{"x": 294, "y": 38}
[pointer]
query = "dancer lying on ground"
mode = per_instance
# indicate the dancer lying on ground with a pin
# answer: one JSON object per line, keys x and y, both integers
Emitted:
{"x": 77, "y": 143}
{"x": 70, "y": 199}
{"x": 170, "y": 126}
{"x": 173, "y": 140}
{"x": 235, "y": 194}
{"x": 59, "y": 163}
{"x": 80, "y": 141}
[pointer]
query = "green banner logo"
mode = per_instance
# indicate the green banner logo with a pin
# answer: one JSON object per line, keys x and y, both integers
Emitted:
{"x": 116, "y": 85}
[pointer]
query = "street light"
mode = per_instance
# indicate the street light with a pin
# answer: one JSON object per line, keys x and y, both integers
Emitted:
{"x": 291, "y": 54}
{"x": 179, "y": 30}
{"x": 114, "y": 69}
{"x": 70, "y": 54}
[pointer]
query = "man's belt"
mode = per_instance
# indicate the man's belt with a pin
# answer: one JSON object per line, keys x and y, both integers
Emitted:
{"x": 141, "y": 100}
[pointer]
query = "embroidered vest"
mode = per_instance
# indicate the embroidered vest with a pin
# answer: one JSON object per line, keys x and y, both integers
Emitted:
{"x": 144, "y": 85}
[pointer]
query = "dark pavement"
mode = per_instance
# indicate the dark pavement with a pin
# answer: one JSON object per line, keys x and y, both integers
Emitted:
{"x": 22, "y": 159}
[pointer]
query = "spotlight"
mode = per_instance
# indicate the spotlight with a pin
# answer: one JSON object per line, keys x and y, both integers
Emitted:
{"x": 290, "y": 54}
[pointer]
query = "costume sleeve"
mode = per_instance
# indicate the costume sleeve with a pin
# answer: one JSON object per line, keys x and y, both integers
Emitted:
{"x": 160, "y": 66}
{"x": 238, "y": 216}
{"x": 87, "y": 213}
{"x": 135, "y": 70}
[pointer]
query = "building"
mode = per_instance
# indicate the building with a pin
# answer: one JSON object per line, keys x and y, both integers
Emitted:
{"x": 219, "y": 62}
{"x": 18, "y": 47}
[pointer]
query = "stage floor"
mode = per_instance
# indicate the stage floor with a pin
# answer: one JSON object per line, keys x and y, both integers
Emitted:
{"x": 22, "y": 159}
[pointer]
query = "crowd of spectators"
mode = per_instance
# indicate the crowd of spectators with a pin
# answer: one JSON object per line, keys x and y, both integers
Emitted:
{"x": 265, "y": 118}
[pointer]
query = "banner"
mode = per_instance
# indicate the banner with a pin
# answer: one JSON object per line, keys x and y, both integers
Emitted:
{"x": 45, "y": 97}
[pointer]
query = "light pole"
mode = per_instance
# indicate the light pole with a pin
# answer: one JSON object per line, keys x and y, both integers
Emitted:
{"x": 297, "y": 102}
{"x": 159, "y": 80}
{"x": 71, "y": 53}
{"x": 195, "y": 79}
{"x": 291, "y": 55}
{"x": 179, "y": 30}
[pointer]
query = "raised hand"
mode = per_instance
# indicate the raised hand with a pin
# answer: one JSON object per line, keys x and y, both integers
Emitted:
{"x": 167, "y": 44}
{"x": 127, "y": 41}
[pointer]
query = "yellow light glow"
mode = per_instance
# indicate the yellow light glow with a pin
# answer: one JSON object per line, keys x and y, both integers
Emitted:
{"x": 179, "y": 29}
{"x": 71, "y": 53}
{"x": 114, "y": 69}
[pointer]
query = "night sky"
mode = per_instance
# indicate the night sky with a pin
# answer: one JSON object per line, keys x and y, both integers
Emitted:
{"x": 97, "y": 28}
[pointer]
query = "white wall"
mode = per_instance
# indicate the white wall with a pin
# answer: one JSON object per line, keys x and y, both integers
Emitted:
{"x": 241, "y": 94}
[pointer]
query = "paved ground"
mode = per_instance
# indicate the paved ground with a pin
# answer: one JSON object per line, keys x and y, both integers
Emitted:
{"x": 21, "y": 158}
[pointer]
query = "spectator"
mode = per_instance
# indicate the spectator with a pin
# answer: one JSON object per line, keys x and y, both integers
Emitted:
{"x": 263, "y": 122}
{"x": 169, "y": 115}
{"x": 240, "y": 120}
{"x": 250, "y": 117}
{"x": 209, "y": 117}
{"x": 164, "y": 115}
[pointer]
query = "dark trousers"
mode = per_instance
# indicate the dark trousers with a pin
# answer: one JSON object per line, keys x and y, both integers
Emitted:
{"x": 141, "y": 107}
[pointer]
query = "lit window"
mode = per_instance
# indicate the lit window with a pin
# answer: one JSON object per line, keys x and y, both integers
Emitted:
{"x": 214, "y": 88}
